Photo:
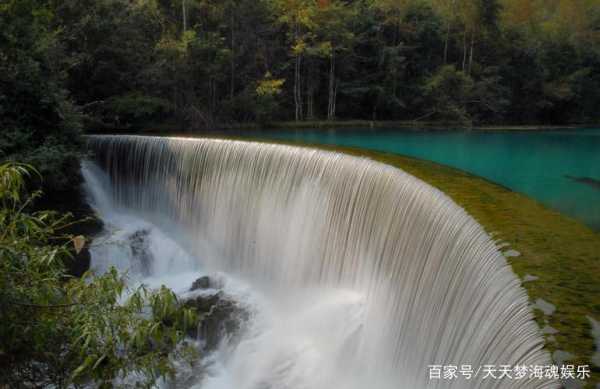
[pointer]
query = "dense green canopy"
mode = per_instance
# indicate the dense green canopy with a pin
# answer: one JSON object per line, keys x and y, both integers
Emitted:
{"x": 201, "y": 63}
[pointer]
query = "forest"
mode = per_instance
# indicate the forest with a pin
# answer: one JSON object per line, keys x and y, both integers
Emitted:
{"x": 105, "y": 65}
{"x": 200, "y": 64}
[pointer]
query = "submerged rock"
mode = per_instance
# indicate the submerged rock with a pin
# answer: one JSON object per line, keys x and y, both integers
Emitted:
{"x": 560, "y": 356}
{"x": 572, "y": 384}
{"x": 544, "y": 306}
{"x": 549, "y": 330}
{"x": 596, "y": 334}
{"x": 511, "y": 253}
{"x": 592, "y": 182}
{"x": 529, "y": 278}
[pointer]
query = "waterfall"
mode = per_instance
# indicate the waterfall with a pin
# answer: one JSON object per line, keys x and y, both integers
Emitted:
{"x": 410, "y": 279}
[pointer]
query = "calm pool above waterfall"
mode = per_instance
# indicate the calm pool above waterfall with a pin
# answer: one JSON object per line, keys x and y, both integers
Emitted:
{"x": 559, "y": 168}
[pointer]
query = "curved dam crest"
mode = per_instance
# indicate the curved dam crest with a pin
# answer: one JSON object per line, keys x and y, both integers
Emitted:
{"x": 291, "y": 220}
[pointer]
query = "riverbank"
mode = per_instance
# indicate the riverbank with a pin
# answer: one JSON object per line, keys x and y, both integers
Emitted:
{"x": 173, "y": 128}
{"x": 419, "y": 126}
{"x": 556, "y": 257}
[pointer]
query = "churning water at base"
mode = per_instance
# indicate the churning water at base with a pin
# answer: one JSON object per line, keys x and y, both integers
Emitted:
{"x": 356, "y": 274}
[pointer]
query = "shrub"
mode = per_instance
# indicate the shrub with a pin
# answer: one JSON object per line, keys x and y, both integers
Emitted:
{"x": 58, "y": 330}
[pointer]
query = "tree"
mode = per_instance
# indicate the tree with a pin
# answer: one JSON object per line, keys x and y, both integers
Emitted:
{"x": 128, "y": 64}
{"x": 267, "y": 92}
{"x": 297, "y": 17}
{"x": 38, "y": 121}
{"x": 58, "y": 330}
{"x": 107, "y": 70}
{"x": 393, "y": 51}
{"x": 449, "y": 91}
{"x": 334, "y": 36}
{"x": 447, "y": 9}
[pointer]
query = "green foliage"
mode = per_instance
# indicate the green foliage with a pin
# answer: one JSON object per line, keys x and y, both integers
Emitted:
{"x": 267, "y": 93}
{"x": 135, "y": 108}
{"x": 269, "y": 86}
{"x": 455, "y": 96}
{"x": 58, "y": 330}
{"x": 38, "y": 123}
{"x": 129, "y": 63}
{"x": 490, "y": 97}
{"x": 57, "y": 160}
{"x": 449, "y": 91}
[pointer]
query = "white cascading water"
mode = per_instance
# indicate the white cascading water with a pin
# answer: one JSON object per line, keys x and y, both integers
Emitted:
{"x": 357, "y": 275}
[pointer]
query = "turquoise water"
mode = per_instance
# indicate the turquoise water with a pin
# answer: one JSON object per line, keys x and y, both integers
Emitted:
{"x": 559, "y": 168}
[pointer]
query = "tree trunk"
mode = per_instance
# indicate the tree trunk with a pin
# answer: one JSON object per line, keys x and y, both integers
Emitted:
{"x": 448, "y": 27}
{"x": 471, "y": 55}
{"x": 210, "y": 94}
{"x": 394, "y": 81}
{"x": 310, "y": 89}
{"x": 310, "y": 114}
{"x": 335, "y": 89}
{"x": 232, "y": 85}
{"x": 298, "y": 87}
{"x": 297, "y": 79}
{"x": 184, "y": 14}
{"x": 464, "y": 63}
{"x": 331, "y": 104}
{"x": 446, "y": 43}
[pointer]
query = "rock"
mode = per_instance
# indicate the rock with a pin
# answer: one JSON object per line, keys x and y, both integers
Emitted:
{"x": 204, "y": 303}
{"x": 502, "y": 245}
{"x": 544, "y": 306}
{"x": 201, "y": 283}
{"x": 549, "y": 330}
{"x": 529, "y": 278}
{"x": 221, "y": 317}
{"x": 572, "y": 384}
{"x": 596, "y": 334}
{"x": 592, "y": 182}
{"x": 560, "y": 357}
{"x": 511, "y": 253}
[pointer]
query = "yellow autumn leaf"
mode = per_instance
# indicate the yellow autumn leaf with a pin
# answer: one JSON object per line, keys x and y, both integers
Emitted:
{"x": 78, "y": 243}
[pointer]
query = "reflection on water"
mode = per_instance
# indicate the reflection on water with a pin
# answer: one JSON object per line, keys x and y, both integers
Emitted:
{"x": 561, "y": 169}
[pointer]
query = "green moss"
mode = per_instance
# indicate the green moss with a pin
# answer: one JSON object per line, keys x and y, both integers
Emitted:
{"x": 562, "y": 252}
